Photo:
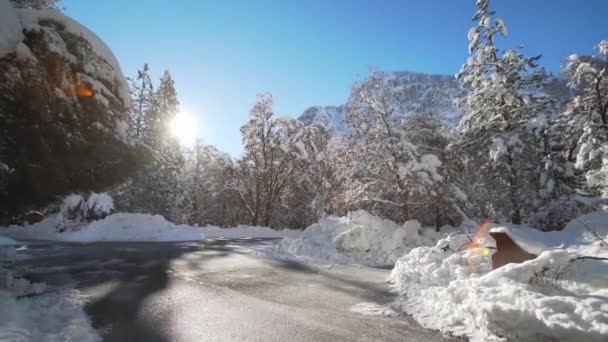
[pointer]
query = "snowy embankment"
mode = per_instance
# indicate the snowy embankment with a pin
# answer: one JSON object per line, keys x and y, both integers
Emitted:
{"x": 243, "y": 231}
{"x": 116, "y": 227}
{"x": 359, "y": 238}
{"x": 561, "y": 295}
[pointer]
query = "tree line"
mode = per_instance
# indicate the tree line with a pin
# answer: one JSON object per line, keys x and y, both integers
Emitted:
{"x": 524, "y": 151}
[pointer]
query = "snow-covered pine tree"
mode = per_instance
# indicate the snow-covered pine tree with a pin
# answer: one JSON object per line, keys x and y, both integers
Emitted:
{"x": 142, "y": 102}
{"x": 504, "y": 94}
{"x": 587, "y": 117}
{"x": 153, "y": 188}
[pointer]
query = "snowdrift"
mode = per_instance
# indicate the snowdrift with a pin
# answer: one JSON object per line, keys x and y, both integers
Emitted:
{"x": 359, "y": 238}
{"x": 557, "y": 296}
{"x": 116, "y": 227}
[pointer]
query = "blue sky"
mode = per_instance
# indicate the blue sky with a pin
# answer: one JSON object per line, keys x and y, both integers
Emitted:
{"x": 223, "y": 52}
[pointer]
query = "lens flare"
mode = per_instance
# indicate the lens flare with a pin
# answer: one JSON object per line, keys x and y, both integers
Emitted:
{"x": 475, "y": 248}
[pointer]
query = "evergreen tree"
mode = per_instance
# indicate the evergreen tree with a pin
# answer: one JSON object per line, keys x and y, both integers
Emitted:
{"x": 504, "y": 94}
{"x": 587, "y": 117}
{"x": 142, "y": 103}
{"x": 154, "y": 187}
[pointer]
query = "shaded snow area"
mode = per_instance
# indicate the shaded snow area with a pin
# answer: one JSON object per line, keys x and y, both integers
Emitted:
{"x": 11, "y": 31}
{"x": 116, "y": 227}
{"x": 359, "y": 238}
{"x": 556, "y": 297}
{"x": 48, "y": 317}
{"x": 6, "y": 241}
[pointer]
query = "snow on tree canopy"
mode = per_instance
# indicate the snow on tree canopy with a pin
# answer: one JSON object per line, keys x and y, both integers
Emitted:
{"x": 10, "y": 28}
{"x": 106, "y": 68}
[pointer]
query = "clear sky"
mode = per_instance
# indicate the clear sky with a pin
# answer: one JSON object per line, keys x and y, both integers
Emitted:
{"x": 223, "y": 52}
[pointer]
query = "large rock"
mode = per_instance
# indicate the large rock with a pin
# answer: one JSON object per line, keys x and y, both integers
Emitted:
{"x": 63, "y": 113}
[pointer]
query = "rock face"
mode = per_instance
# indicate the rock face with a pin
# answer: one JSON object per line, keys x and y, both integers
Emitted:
{"x": 63, "y": 110}
{"x": 412, "y": 92}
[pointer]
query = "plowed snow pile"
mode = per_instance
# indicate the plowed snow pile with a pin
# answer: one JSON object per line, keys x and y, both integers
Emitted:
{"x": 359, "y": 238}
{"x": 116, "y": 227}
{"x": 558, "y": 296}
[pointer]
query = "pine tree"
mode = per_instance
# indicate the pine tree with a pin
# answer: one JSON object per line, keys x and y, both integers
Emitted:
{"x": 153, "y": 188}
{"x": 503, "y": 96}
{"x": 587, "y": 117}
{"x": 142, "y": 101}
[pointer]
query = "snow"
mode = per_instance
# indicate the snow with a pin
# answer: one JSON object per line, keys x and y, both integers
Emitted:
{"x": 553, "y": 297}
{"x": 110, "y": 70}
{"x": 359, "y": 238}
{"x": 116, "y": 227}
{"x": 373, "y": 309}
{"x": 133, "y": 227}
{"x": 48, "y": 317}
{"x": 575, "y": 237}
{"x": 100, "y": 204}
{"x": 11, "y": 32}
{"x": 6, "y": 241}
{"x": 242, "y": 231}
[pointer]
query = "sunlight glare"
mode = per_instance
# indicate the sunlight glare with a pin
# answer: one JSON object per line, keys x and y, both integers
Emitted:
{"x": 184, "y": 127}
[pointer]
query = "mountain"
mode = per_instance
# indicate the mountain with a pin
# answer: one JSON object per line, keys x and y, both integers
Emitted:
{"x": 413, "y": 92}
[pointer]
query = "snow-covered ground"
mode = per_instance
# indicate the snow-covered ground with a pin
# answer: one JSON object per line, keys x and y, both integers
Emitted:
{"x": 553, "y": 297}
{"x": 48, "y": 317}
{"x": 359, "y": 238}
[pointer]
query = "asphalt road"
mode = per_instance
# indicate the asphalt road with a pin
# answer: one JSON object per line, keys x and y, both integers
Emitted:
{"x": 217, "y": 291}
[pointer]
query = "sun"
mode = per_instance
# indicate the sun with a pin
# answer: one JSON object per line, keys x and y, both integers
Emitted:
{"x": 184, "y": 126}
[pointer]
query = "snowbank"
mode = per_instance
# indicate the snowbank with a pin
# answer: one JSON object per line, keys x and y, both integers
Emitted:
{"x": 11, "y": 32}
{"x": 578, "y": 236}
{"x": 133, "y": 227}
{"x": 359, "y": 238}
{"x": 249, "y": 232}
{"x": 553, "y": 297}
{"x": 116, "y": 227}
{"x": 48, "y": 317}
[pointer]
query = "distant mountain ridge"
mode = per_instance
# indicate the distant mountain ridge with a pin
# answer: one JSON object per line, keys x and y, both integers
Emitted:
{"x": 413, "y": 92}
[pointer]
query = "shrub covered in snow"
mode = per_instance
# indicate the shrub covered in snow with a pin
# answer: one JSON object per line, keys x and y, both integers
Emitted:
{"x": 556, "y": 296}
{"x": 76, "y": 208}
{"x": 358, "y": 238}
